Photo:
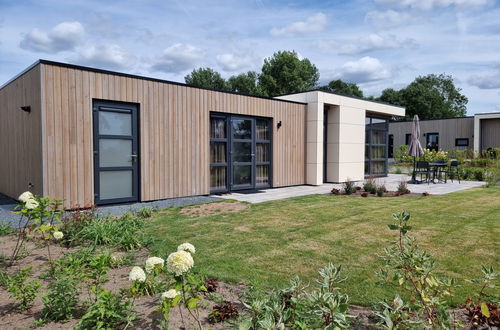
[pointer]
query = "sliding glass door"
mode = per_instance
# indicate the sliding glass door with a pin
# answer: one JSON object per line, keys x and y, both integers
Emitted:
{"x": 240, "y": 149}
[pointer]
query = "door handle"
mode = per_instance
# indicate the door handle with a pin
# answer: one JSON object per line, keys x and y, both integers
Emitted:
{"x": 134, "y": 157}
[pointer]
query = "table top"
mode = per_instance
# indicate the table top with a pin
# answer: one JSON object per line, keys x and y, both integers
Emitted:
{"x": 438, "y": 164}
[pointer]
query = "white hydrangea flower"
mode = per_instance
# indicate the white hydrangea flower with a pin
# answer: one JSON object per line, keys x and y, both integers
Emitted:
{"x": 58, "y": 235}
{"x": 152, "y": 262}
{"x": 187, "y": 247}
{"x": 25, "y": 196}
{"x": 170, "y": 294}
{"x": 31, "y": 204}
{"x": 137, "y": 274}
{"x": 179, "y": 262}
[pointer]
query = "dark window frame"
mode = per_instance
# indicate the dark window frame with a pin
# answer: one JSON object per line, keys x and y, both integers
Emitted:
{"x": 229, "y": 140}
{"x": 457, "y": 144}
{"x": 427, "y": 135}
{"x": 368, "y": 143}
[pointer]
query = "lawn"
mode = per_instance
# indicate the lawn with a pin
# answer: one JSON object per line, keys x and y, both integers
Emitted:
{"x": 268, "y": 243}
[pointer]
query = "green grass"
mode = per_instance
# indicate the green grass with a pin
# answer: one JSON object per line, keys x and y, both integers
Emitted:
{"x": 271, "y": 242}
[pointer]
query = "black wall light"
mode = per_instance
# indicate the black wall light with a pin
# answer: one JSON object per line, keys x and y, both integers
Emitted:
{"x": 26, "y": 108}
{"x": 279, "y": 124}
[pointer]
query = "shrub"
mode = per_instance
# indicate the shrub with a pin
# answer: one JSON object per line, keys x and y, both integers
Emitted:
{"x": 211, "y": 284}
{"x": 370, "y": 185}
{"x": 412, "y": 270}
{"x": 145, "y": 212}
{"x": 481, "y": 310}
{"x": 73, "y": 223}
{"x": 348, "y": 187}
{"x": 61, "y": 301}
{"x": 381, "y": 190}
{"x": 398, "y": 171}
{"x": 22, "y": 290}
{"x": 364, "y": 194}
{"x": 403, "y": 188}
{"x": 335, "y": 191}
{"x": 110, "y": 311}
{"x": 323, "y": 307}
{"x": 401, "y": 154}
{"x": 223, "y": 311}
{"x": 6, "y": 229}
{"x": 125, "y": 232}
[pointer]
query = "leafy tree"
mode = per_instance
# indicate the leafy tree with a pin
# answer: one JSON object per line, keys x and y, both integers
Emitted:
{"x": 205, "y": 77}
{"x": 430, "y": 97}
{"x": 246, "y": 83}
{"x": 344, "y": 88}
{"x": 285, "y": 73}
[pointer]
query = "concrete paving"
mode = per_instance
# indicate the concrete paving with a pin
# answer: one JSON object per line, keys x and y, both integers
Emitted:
{"x": 391, "y": 183}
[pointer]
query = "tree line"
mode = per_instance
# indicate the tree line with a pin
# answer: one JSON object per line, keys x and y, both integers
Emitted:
{"x": 432, "y": 96}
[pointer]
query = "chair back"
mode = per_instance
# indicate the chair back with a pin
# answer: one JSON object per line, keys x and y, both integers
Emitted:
{"x": 454, "y": 163}
{"x": 422, "y": 164}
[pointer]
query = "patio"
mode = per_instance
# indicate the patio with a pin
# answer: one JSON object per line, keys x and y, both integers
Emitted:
{"x": 391, "y": 183}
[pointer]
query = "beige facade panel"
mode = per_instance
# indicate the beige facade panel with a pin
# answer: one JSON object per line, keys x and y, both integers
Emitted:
{"x": 21, "y": 135}
{"x": 449, "y": 130}
{"x": 490, "y": 133}
{"x": 173, "y": 133}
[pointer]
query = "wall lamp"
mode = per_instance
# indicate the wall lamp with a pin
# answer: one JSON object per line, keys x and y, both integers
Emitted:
{"x": 279, "y": 124}
{"x": 26, "y": 108}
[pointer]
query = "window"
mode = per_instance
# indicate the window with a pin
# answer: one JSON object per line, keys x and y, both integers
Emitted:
{"x": 464, "y": 142}
{"x": 407, "y": 139}
{"x": 218, "y": 154}
{"x": 390, "y": 153}
{"x": 432, "y": 141}
{"x": 376, "y": 151}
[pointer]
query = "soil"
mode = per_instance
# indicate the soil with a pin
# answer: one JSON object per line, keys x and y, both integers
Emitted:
{"x": 148, "y": 317}
{"x": 362, "y": 193}
{"x": 213, "y": 209}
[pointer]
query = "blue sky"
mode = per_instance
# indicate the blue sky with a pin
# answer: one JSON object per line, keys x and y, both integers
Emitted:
{"x": 377, "y": 44}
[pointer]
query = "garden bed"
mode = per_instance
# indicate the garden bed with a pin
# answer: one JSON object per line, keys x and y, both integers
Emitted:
{"x": 146, "y": 306}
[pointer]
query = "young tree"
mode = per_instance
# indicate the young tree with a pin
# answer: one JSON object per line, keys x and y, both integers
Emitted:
{"x": 344, "y": 88}
{"x": 430, "y": 97}
{"x": 246, "y": 83}
{"x": 206, "y": 77}
{"x": 285, "y": 73}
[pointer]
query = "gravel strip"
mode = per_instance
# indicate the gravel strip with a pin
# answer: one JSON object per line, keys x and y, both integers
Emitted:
{"x": 6, "y": 215}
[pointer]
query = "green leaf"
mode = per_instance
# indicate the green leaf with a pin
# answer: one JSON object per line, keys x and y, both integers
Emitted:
{"x": 485, "y": 310}
{"x": 393, "y": 227}
{"x": 191, "y": 303}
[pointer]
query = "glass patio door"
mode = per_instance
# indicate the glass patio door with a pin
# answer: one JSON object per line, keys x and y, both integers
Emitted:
{"x": 115, "y": 152}
{"x": 242, "y": 153}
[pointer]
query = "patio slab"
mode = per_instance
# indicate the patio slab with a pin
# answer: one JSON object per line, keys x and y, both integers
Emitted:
{"x": 391, "y": 183}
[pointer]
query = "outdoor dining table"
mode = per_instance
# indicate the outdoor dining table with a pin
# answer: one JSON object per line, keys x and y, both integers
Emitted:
{"x": 436, "y": 170}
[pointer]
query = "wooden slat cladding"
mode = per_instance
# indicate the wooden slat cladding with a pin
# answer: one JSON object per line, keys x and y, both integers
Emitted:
{"x": 490, "y": 133}
{"x": 173, "y": 133}
{"x": 448, "y": 129}
{"x": 20, "y": 135}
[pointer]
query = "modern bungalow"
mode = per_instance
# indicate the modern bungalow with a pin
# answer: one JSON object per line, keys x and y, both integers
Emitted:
{"x": 478, "y": 132}
{"x": 94, "y": 137}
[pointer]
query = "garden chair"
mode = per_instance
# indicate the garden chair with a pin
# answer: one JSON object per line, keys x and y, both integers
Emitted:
{"x": 452, "y": 171}
{"x": 423, "y": 168}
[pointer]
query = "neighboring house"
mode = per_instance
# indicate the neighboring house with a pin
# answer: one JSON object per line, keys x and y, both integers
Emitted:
{"x": 91, "y": 136}
{"x": 478, "y": 132}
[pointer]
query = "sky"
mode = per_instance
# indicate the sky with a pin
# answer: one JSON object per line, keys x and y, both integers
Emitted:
{"x": 377, "y": 44}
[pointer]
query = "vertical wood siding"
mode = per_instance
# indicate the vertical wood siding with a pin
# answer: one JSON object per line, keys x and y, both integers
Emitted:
{"x": 173, "y": 133}
{"x": 20, "y": 135}
{"x": 490, "y": 133}
{"x": 448, "y": 129}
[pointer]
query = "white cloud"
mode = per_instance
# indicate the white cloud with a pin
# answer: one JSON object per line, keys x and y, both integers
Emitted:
{"x": 366, "y": 69}
{"x": 370, "y": 43}
{"x": 433, "y": 4}
{"x": 387, "y": 19}
{"x": 236, "y": 62}
{"x": 177, "y": 58}
{"x": 106, "y": 56}
{"x": 63, "y": 37}
{"x": 314, "y": 23}
{"x": 486, "y": 81}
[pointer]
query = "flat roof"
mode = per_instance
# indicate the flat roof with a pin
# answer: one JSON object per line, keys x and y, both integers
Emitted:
{"x": 410, "y": 120}
{"x": 343, "y": 95}
{"x": 128, "y": 75}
